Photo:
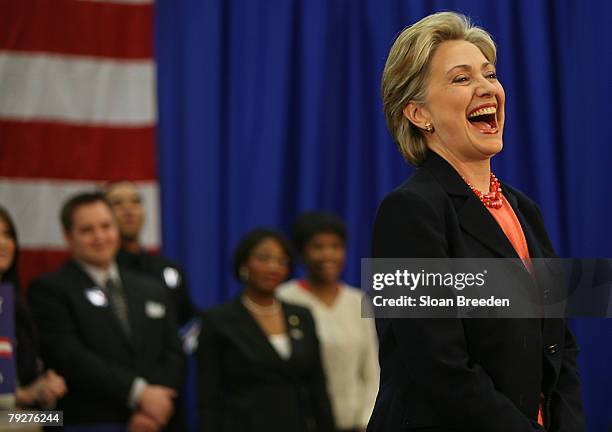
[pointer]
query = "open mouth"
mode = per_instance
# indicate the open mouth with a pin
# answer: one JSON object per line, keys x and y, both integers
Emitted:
{"x": 484, "y": 119}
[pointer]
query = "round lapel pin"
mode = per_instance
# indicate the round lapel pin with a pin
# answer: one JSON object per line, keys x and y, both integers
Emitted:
{"x": 294, "y": 320}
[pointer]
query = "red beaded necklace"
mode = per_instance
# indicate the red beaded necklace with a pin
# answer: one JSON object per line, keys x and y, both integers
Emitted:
{"x": 493, "y": 199}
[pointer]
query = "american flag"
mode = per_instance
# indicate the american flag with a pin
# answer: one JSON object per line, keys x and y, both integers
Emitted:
{"x": 77, "y": 109}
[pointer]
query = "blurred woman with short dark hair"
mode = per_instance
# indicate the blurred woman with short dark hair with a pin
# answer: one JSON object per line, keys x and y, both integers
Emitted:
{"x": 258, "y": 358}
{"x": 348, "y": 343}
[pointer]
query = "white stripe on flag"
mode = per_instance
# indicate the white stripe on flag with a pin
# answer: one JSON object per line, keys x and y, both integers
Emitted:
{"x": 77, "y": 89}
{"x": 35, "y": 207}
{"x": 6, "y": 349}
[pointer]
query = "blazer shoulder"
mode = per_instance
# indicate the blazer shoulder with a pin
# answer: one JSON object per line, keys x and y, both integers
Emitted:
{"x": 46, "y": 280}
{"x": 167, "y": 262}
{"x": 218, "y": 315}
{"x": 412, "y": 220}
{"x": 145, "y": 283}
{"x": 420, "y": 192}
{"x": 421, "y": 183}
{"x": 65, "y": 275}
{"x": 147, "y": 262}
{"x": 420, "y": 197}
{"x": 159, "y": 263}
{"x": 221, "y": 315}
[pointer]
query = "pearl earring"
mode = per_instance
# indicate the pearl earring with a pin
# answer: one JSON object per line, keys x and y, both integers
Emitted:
{"x": 244, "y": 274}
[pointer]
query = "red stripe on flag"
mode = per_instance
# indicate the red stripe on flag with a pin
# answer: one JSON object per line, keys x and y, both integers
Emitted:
{"x": 123, "y": 31}
{"x": 6, "y": 348}
{"x": 71, "y": 152}
{"x": 35, "y": 262}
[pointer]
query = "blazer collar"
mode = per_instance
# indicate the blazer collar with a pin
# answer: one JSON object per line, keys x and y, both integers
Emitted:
{"x": 94, "y": 275}
{"x": 473, "y": 216}
{"x": 446, "y": 175}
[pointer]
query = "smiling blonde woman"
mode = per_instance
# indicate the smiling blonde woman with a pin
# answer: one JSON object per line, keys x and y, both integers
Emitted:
{"x": 445, "y": 109}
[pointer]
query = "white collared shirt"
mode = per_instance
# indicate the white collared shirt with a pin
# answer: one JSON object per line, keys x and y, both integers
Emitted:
{"x": 100, "y": 275}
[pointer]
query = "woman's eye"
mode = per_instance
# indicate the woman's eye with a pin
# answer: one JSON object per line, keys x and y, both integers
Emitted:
{"x": 491, "y": 75}
{"x": 460, "y": 79}
{"x": 264, "y": 257}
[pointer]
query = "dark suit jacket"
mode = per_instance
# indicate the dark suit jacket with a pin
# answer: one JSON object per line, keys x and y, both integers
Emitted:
{"x": 155, "y": 266}
{"x": 467, "y": 375}
{"x": 245, "y": 386}
{"x": 86, "y": 344}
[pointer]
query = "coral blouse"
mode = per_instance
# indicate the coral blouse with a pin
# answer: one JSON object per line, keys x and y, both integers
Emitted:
{"x": 510, "y": 225}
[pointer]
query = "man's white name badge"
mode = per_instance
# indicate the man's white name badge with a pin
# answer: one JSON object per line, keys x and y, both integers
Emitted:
{"x": 155, "y": 310}
{"x": 171, "y": 277}
{"x": 96, "y": 297}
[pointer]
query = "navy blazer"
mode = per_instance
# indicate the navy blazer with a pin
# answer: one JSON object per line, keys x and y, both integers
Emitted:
{"x": 467, "y": 375}
{"x": 244, "y": 385}
{"x": 84, "y": 341}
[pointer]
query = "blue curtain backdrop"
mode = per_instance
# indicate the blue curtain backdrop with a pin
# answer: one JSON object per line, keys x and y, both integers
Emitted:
{"x": 268, "y": 108}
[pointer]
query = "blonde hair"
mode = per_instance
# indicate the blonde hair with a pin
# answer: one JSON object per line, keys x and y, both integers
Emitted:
{"x": 405, "y": 75}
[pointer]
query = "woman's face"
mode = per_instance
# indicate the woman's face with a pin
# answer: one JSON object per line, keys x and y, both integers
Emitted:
{"x": 464, "y": 102}
{"x": 7, "y": 247}
{"x": 324, "y": 255}
{"x": 267, "y": 265}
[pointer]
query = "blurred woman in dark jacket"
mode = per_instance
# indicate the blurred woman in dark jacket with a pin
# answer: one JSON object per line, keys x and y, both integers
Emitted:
{"x": 259, "y": 362}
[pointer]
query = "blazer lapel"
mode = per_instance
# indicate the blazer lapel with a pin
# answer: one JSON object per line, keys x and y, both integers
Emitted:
{"x": 535, "y": 250}
{"x": 296, "y": 337}
{"x": 85, "y": 283}
{"x": 548, "y": 272}
{"x": 253, "y": 331}
{"x": 480, "y": 224}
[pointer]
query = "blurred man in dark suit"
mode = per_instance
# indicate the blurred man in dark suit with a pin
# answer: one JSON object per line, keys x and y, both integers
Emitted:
{"x": 107, "y": 330}
{"x": 127, "y": 204}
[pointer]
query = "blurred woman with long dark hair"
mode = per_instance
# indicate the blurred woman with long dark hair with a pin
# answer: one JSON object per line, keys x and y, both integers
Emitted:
{"x": 36, "y": 387}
